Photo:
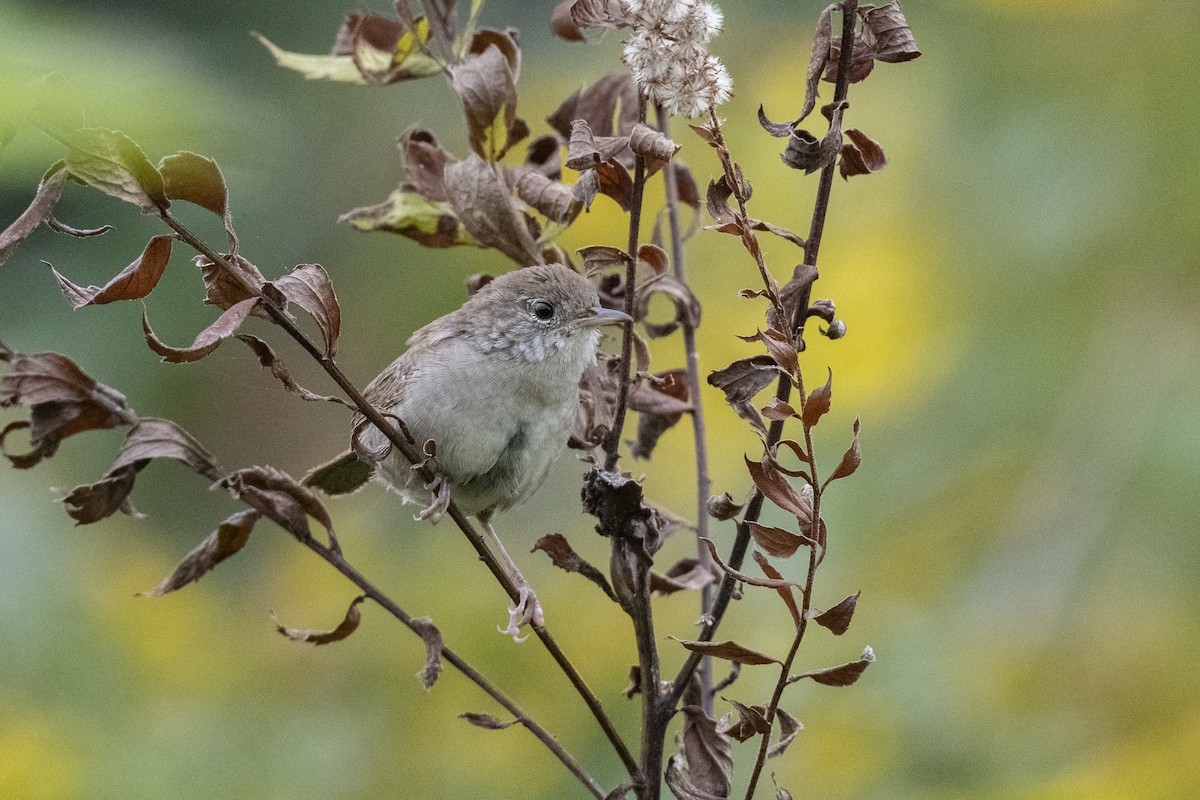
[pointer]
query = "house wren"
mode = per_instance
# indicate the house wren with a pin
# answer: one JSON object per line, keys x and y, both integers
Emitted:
{"x": 495, "y": 385}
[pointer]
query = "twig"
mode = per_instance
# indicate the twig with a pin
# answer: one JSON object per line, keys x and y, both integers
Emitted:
{"x": 339, "y": 563}
{"x": 612, "y": 445}
{"x": 410, "y": 452}
{"x": 784, "y": 386}
{"x": 699, "y": 436}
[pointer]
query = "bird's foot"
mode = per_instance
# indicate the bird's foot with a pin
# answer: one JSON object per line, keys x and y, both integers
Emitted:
{"x": 526, "y": 610}
{"x": 434, "y": 512}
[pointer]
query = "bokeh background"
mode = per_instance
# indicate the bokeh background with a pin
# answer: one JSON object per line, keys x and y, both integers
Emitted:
{"x": 1020, "y": 285}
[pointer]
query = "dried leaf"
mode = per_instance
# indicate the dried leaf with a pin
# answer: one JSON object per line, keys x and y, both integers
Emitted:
{"x": 861, "y": 155}
{"x": 822, "y": 40}
{"x": 427, "y": 222}
{"x": 594, "y": 14}
{"x": 785, "y": 592}
{"x": 684, "y": 574}
{"x": 599, "y": 257}
{"x": 751, "y": 722}
{"x": 39, "y": 211}
{"x": 766, "y": 583}
{"x": 615, "y": 183}
{"x": 586, "y": 188}
{"x": 837, "y": 619}
{"x": 745, "y": 378}
{"x": 487, "y": 87}
{"x": 554, "y": 199}
{"x": 661, "y": 401}
{"x": 653, "y": 145}
{"x": 776, "y": 541}
{"x": 268, "y": 359}
{"x": 818, "y": 402}
{"x": 347, "y": 626}
{"x": 432, "y": 637}
{"x": 342, "y": 475}
{"x": 886, "y": 27}
{"x": 154, "y": 438}
{"x": 722, "y": 507}
{"x": 96, "y": 501}
{"x": 482, "y": 203}
{"x": 281, "y": 499}
{"x": 780, "y": 792}
{"x": 789, "y": 726}
{"x": 771, "y": 481}
{"x": 196, "y": 179}
{"x": 707, "y": 753}
{"x": 586, "y": 151}
{"x": 776, "y": 129}
{"x": 132, "y": 283}
{"x": 843, "y": 675}
{"x": 207, "y": 340}
{"x": 609, "y": 107}
{"x": 777, "y": 410}
{"x": 486, "y": 721}
{"x": 563, "y": 24}
{"x": 309, "y": 287}
{"x": 806, "y": 152}
{"x": 424, "y": 165}
{"x": 221, "y": 289}
{"x": 229, "y": 537}
{"x": 850, "y": 459}
{"x": 728, "y": 650}
{"x": 565, "y": 558}
{"x": 113, "y": 163}
{"x": 687, "y": 307}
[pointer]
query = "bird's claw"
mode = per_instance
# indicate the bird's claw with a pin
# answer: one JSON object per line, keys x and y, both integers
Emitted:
{"x": 526, "y": 610}
{"x": 434, "y": 512}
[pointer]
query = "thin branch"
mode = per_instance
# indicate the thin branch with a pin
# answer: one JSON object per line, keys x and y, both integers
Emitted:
{"x": 612, "y": 445}
{"x": 409, "y": 450}
{"x": 699, "y": 435}
{"x": 339, "y": 563}
{"x": 784, "y": 386}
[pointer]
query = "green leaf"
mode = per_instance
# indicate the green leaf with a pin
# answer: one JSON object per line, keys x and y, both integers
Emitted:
{"x": 114, "y": 164}
{"x": 432, "y": 223}
{"x": 196, "y": 179}
{"x": 315, "y": 67}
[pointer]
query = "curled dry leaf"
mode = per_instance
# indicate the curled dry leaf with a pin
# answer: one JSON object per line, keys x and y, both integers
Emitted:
{"x": 862, "y": 155}
{"x": 742, "y": 380}
{"x": 613, "y": 97}
{"x": 424, "y": 164}
{"x": 772, "y": 482}
{"x": 777, "y": 410}
{"x": 563, "y": 23}
{"x": 789, "y": 726}
{"x": 779, "y": 347}
{"x": 751, "y": 722}
{"x": 837, "y": 619}
{"x": 432, "y": 637}
{"x": 268, "y": 359}
{"x": 805, "y": 152}
{"x": 113, "y": 163}
{"x": 486, "y": 721}
{"x": 767, "y": 583}
{"x": 884, "y": 36}
{"x": 587, "y": 151}
{"x": 63, "y": 400}
{"x": 586, "y": 188}
{"x": 785, "y": 592}
{"x": 842, "y": 675}
{"x": 599, "y": 257}
{"x": 229, "y": 537}
{"x": 132, "y": 283}
{"x": 96, "y": 501}
{"x": 347, "y": 626}
{"x": 486, "y": 85}
{"x": 850, "y": 459}
{"x": 554, "y": 199}
{"x": 594, "y": 14}
{"x": 40, "y": 210}
{"x": 221, "y": 288}
{"x": 822, "y": 39}
{"x": 816, "y": 405}
{"x": 706, "y": 752}
{"x": 686, "y": 573}
{"x": 281, "y": 499}
{"x": 482, "y": 203}
{"x": 687, "y": 307}
{"x": 652, "y": 145}
{"x": 776, "y": 541}
{"x": 722, "y": 506}
{"x": 565, "y": 558}
{"x": 309, "y": 287}
{"x": 207, "y": 340}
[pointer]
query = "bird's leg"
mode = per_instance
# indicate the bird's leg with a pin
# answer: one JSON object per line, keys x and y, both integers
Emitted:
{"x": 434, "y": 512}
{"x": 527, "y": 608}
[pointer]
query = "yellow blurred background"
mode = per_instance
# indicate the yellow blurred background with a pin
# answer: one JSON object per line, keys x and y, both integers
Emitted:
{"x": 1021, "y": 290}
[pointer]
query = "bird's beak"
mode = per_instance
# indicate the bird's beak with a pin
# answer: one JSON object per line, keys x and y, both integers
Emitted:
{"x": 599, "y": 315}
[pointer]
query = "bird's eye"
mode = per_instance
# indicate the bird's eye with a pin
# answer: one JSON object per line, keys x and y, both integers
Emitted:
{"x": 542, "y": 310}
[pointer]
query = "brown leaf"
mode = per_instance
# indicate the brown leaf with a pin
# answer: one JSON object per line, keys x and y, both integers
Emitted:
{"x": 818, "y": 402}
{"x": 309, "y": 287}
{"x": 342, "y": 475}
{"x": 822, "y": 40}
{"x": 229, "y": 537}
{"x": 486, "y": 721}
{"x": 779, "y": 347}
{"x": 789, "y": 726}
{"x": 615, "y": 183}
{"x": 837, "y": 619}
{"x": 722, "y": 507}
{"x": 776, "y": 541}
{"x": 281, "y": 499}
{"x": 599, "y": 257}
{"x": 554, "y": 199}
{"x": 594, "y": 14}
{"x": 777, "y": 410}
{"x": 196, "y": 179}
{"x": 565, "y": 558}
{"x": 563, "y": 24}
{"x": 653, "y": 145}
{"x": 222, "y": 290}
{"x": 154, "y": 438}
{"x": 113, "y": 163}
{"x": 96, "y": 501}
{"x": 805, "y": 152}
{"x": 776, "y": 129}
{"x": 424, "y": 165}
{"x": 766, "y": 583}
{"x": 487, "y": 87}
{"x": 751, "y": 722}
{"x": 132, "y": 283}
{"x": 717, "y": 200}
{"x": 432, "y": 637}
{"x": 39, "y": 211}
{"x": 684, "y": 574}
{"x": 207, "y": 340}
{"x": 886, "y": 27}
{"x": 745, "y": 378}
{"x": 483, "y": 205}
{"x": 661, "y": 401}
{"x": 850, "y": 459}
{"x": 791, "y": 295}
{"x": 586, "y": 188}
{"x": 843, "y": 675}
{"x": 586, "y": 151}
{"x": 63, "y": 400}
{"x": 861, "y": 155}
{"x": 785, "y": 592}
{"x": 387, "y": 51}
{"x": 612, "y": 99}
{"x": 268, "y": 359}
{"x": 687, "y": 307}
{"x": 707, "y": 753}
{"x": 775, "y": 487}
{"x": 347, "y": 626}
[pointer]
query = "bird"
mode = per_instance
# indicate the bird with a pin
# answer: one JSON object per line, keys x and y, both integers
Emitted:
{"x": 495, "y": 386}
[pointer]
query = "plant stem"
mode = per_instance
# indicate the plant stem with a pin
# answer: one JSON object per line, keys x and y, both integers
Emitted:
{"x": 783, "y": 388}
{"x": 339, "y": 563}
{"x": 409, "y": 451}
{"x": 699, "y": 435}
{"x": 612, "y": 445}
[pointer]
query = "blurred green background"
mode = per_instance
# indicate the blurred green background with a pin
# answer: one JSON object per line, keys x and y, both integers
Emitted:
{"x": 1021, "y": 290}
